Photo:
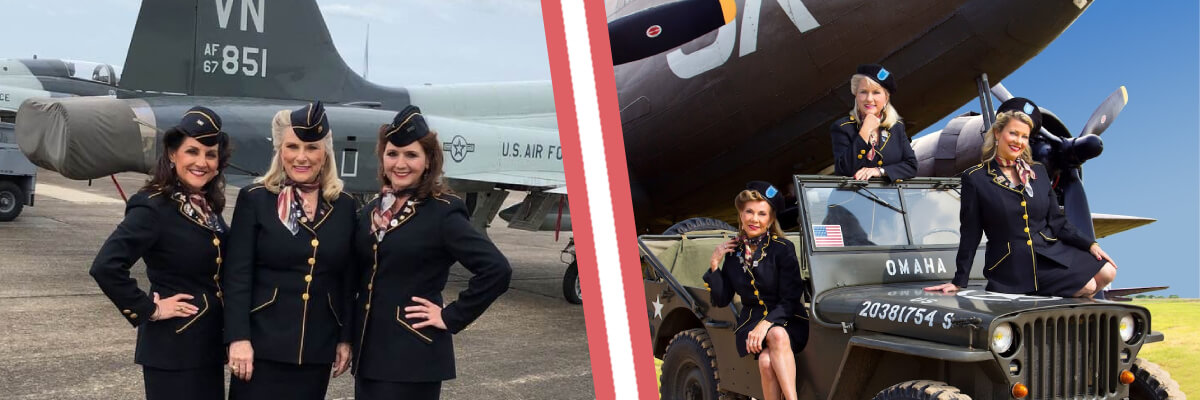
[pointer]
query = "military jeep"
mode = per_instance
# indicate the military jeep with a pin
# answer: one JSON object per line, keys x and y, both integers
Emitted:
{"x": 866, "y": 251}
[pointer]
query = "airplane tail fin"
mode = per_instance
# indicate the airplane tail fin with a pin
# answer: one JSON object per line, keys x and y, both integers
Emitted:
{"x": 240, "y": 48}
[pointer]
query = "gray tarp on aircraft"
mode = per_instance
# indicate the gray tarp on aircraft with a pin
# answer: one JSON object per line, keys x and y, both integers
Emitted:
{"x": 84, "y": 137}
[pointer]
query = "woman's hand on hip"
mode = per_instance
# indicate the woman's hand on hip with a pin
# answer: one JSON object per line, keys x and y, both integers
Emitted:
{"x": 755, "y": 338}
{"x": 173, "y": 307}
{"x": 719, "y": 253}
{"x": 341, "y": 360}
{"x": 432, "y": 313}
{"x": 241, "y": 359}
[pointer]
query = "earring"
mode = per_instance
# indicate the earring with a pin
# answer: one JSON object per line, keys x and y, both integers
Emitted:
{"x": 172, "y": 164}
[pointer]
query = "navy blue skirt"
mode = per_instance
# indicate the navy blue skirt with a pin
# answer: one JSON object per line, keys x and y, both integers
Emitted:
{"x": 275, "y": 380}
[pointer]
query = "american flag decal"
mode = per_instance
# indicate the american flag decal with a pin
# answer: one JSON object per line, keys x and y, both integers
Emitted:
{"x": 828, "y": 235}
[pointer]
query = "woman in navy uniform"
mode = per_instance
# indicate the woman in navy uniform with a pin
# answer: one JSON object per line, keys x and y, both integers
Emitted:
{"x": 760, "y": 265}
{"x": 289, "y": 270}
{"x": 1032, "y": 248}
{"x": 406, "y": 241}
{"x": 871, "y": 142}
{"x": 174, "y": 224}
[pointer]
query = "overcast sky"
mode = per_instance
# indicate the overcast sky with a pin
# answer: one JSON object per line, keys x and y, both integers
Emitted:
{"x": 412, "y": 41}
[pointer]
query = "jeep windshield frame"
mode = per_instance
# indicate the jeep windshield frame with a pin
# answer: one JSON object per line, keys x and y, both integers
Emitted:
{"x": 901, "y": 209}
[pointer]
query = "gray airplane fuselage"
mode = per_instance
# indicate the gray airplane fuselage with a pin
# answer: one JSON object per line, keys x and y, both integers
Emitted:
{"x": 755, "y": 99}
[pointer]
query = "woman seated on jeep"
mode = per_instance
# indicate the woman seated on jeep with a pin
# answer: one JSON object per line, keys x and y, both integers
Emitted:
{"x": 1032, "y": 248}
{"x": 760, "y": 265}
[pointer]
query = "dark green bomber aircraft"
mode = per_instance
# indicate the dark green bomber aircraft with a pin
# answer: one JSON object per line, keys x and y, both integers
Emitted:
{"x": 246, "y": 61}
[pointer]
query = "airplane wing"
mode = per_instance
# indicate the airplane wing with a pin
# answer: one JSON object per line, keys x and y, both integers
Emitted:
{"x": 536, "y": 179}
{"x": 1109, "y": 224}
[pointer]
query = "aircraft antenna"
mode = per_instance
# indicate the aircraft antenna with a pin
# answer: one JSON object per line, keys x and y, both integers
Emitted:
{"x": 367, "y": 51}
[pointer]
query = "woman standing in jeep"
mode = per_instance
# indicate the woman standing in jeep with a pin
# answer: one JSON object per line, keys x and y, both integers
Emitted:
{"x": 760, "y": 265}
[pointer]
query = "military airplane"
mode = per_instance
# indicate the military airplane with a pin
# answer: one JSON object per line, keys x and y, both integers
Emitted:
{"x": 246, "y": 62}
{"x": 755, "y": 98}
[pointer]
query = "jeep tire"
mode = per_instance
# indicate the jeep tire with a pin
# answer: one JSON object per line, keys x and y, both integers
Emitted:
{"x": 12, "y": 199}
{"x": 570, "y": 284}
{"x": 689, "y": 369}
{"x": 1152, "y": 382}
{"x": 921, "y": 390}
{"x": 699, "y": 224}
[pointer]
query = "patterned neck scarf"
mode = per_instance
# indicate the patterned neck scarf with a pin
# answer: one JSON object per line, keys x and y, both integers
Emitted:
{"x": 290, "y": 204}
{"x": 747, "y": 254}
{"x": 197, "y": 208}
{"x": 1023, "y": 170}
{"x": 382, "y": 216}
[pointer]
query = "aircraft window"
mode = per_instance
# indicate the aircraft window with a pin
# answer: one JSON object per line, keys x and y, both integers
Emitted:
{"x": 349, "y": 162}
{"x": 855, "y": 217}
{"x": 91, "y": 71}
{"x": 933, "y": 215}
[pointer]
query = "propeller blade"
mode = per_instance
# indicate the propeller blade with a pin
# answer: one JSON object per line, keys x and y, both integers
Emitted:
{"x": 1106, "y": 112}
{"x": 1001, "y": 92}
{"x": 666, "y": 26}
{"x": 1075, "y": 202}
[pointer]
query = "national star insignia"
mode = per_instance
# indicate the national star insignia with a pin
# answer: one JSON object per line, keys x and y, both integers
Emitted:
{"x": 658, "y": 306}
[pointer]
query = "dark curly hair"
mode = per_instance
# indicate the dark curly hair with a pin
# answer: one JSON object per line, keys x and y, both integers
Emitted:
{"x": 163, "y": 178}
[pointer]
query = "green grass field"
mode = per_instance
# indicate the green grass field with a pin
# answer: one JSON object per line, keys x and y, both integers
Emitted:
{"x": 1178, "y": 320}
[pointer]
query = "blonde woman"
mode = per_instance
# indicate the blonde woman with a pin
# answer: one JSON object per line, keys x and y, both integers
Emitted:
{"x": 289, "y": 267}
{"x": 1032, "y": 248}
{"x": 760, "y": 265}
{"x": 871, "y": 142}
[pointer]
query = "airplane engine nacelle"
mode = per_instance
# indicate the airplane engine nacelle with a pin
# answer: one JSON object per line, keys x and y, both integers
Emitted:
{"x": 951, "y": 150}
{"x": 85, "y": 137}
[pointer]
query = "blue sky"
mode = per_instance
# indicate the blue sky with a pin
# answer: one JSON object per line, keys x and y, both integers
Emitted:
{"x": 412, "y": 41}
{"x": 1149, "y": 165}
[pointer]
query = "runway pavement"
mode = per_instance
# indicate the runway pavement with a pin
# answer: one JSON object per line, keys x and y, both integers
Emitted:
{"x": 60, "y": 338}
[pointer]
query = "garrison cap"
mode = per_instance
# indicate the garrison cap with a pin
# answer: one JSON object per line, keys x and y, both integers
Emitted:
{"x": 202, "y": 124}
{"x": 880, "y": 75}
{"x": 1025, "y": 106}
{"x": 408, "y": 126}
{"x": 309, "y": 122}
{"x": 774, "y": 197}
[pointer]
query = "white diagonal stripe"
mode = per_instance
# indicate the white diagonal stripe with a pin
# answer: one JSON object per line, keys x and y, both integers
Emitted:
{"x": 595, "y": 171}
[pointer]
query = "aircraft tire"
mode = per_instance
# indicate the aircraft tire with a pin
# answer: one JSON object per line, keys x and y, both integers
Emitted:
{"x": 1152, "y": 382}
{"x": 689, "y": 369}
{"x": 12, "y": 199}
{"x": 921, "y": 390}
{"x": 699, "y": 224}
{"x": 570, "y": 284}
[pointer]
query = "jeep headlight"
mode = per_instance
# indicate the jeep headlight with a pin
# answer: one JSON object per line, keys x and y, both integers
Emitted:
{"x": 1126, "y": 327}
{"x": 1002, "y": 338}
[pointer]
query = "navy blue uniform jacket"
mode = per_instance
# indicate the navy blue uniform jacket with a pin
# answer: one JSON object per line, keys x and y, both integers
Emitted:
{"x": 182, "y": 255}
{"x": 414, "y": 259}
{"x": 289, "y": 295}
{"x": 772, "y": 291}
{"x": 1018, "y": 228}
{"x": 850, "y": 150}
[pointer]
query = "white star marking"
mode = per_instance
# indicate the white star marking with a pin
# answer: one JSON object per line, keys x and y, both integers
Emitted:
{"x": 658, "y": 306}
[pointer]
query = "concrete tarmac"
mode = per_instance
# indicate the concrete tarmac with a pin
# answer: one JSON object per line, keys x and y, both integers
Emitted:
{"x": 61, "y": 338}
